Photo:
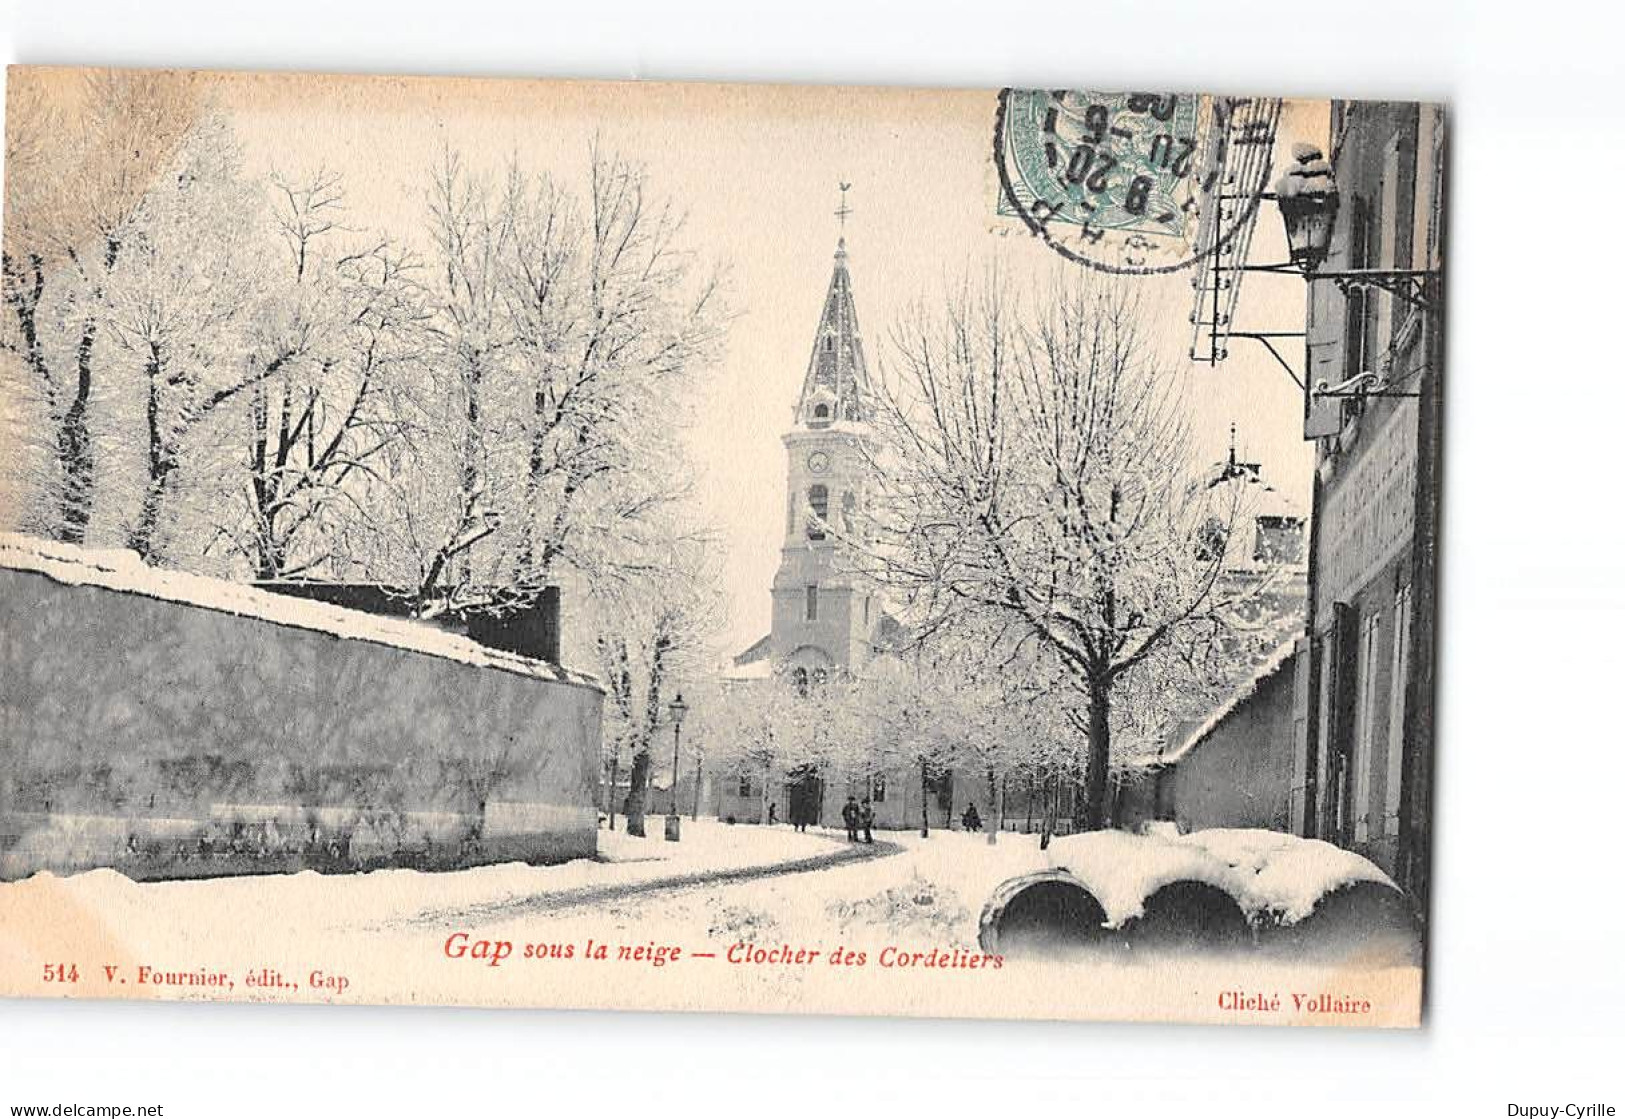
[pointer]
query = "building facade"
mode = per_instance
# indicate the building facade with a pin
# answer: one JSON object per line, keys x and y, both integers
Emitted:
{"x": 1364, "y": 693}
{"x": 1232, "y": 771}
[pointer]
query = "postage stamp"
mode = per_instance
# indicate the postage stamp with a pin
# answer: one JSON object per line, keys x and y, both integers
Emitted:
{"x": 1132, "y": 182}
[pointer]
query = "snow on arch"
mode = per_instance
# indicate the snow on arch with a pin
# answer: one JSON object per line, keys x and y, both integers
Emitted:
{"x": 1282, "y": 875}
{"x": 1123, "y": 870}
{"x": 1271, "y": 875}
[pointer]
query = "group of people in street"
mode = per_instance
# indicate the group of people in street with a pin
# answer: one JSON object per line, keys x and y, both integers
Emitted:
{"x": 856, "y": 816}
{"x": 859, "y": 817}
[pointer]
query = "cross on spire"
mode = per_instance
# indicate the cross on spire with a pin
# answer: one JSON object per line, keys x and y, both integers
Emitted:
{"x": 837, "y": 377}
{"x": 843, "y": 210}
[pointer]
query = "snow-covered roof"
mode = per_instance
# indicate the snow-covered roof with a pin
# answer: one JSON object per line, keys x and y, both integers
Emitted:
{"x": 1259, "y": 498}
{"x": 123, "y": 571}
{"x": 1275, "y": 662}
{"x": 759, "y": 650}
{"x": 751, "y": 670}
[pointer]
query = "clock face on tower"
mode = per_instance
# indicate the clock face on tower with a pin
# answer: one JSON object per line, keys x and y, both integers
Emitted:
{"x": 818, "y": 462}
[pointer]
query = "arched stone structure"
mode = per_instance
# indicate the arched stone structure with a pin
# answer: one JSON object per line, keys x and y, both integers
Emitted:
{"x": 1047, "y": 912}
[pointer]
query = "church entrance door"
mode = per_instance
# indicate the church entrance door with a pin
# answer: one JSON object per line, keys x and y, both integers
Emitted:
{"x": 806, "y": 795}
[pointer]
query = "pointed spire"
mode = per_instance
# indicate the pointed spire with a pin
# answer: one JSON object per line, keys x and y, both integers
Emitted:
{"x": 837, "y": 377}
{"x": 1232, "y": 468}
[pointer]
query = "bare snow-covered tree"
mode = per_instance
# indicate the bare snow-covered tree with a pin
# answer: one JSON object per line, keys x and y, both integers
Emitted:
{"x": 650, "y": 634}
{"x": 998, "y": 720}
{"x": 566, "y": 334}
{"x": 1037, "y": 471}
{"x": 744, "y": 727}
{"x": 337, "y": 335}
{"x": 81, "y": 154}
{"x": 179, "y": 314}
{"x": 608, "y": 364}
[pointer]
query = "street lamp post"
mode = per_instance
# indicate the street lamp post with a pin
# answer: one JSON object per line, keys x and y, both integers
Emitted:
{"x": 674, "y": 822}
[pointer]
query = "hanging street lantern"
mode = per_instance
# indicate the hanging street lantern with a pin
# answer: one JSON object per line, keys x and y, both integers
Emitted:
{"x": 1307, "y": 197}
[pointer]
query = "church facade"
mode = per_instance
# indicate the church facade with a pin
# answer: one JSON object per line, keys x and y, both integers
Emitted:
{"x": 826, "y": 620}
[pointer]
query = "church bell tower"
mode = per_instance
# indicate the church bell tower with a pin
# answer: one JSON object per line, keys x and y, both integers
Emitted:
{"x": 824, "y": 618}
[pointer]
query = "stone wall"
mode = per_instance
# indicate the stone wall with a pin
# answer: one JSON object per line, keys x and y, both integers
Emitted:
{"x": 172, "y": 726}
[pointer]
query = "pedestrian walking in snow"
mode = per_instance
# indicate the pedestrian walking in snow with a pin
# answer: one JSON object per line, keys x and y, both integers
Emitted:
{"x": 849, "y": 816}
{"x": 773, "y": 813}
{"x": 972, "y": 819}
{"x": 866, "y": 817}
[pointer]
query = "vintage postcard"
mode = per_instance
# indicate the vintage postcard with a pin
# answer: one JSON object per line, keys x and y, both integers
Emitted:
{"x": 725, "y": 548}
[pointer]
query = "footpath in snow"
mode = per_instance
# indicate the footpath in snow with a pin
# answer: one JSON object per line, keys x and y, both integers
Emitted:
{"x": 291, "y": 904}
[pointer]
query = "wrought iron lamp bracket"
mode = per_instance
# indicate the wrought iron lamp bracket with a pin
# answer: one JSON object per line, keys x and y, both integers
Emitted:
{"x": 1361, "y": 384}
{"x": 1417, "y": 286}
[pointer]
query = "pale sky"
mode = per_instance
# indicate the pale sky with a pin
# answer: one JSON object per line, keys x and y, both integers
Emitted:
{"x": 756, "y": 168}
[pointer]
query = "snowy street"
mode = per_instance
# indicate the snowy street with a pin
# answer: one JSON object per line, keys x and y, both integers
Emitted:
{"x": 709, "y": 856}
{"x": 731, "y": 912}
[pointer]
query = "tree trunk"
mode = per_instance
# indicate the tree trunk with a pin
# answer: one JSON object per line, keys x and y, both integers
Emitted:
{"x": 614, "y": 776}
{"x": 699, "y": 783}
{"x": 995, "y": 802}
{"x": 1095, "y": 816}
{"x": 259, "y": 457}
{"x": 1048, "y": 826}
{"x": 160, "y": 461}
{"x": 73, "y": 437}
{"x": 925, "y": 801}
{"x": 74, "y": 449}
{"x": 146, "y": 525}
{"x": 767, "y": 783}
{"x": 637, "y": 793}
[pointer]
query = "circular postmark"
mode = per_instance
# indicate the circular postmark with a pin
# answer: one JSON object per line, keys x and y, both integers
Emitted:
{"x": 1133, "y": 183}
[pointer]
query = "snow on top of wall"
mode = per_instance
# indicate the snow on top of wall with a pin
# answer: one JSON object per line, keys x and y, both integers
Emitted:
{"x": 123, "y": 571}
{"x": 1267, "y": 872}
{"x": 1275, "y": 662}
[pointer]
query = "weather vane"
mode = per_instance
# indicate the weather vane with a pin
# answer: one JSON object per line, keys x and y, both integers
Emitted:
{"x": 843, "y": 210}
